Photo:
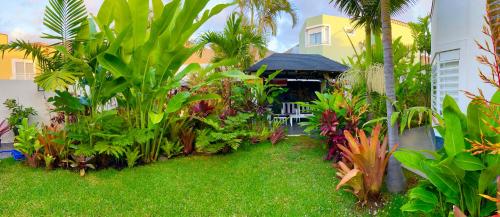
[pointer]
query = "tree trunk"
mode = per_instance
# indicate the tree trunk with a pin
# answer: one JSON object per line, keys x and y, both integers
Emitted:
{"x": 493, "y": 11}
{"x": 368, "y": 44}
{"x": 369, "y": 56}
{"x": 395, "y": 180}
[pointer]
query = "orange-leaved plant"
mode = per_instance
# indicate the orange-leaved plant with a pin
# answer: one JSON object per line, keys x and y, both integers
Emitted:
{"x": 368, "y": 159}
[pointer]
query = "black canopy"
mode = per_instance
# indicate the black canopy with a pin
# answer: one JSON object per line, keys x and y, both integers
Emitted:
{"x": 299, "y": 66}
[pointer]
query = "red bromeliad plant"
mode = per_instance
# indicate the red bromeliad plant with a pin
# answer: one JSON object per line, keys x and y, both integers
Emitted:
{"x": 331, "y": 130}
{"x": 369, "y": 159}
{"x": 4, "y": 128}
{"x": 202, "y": 109}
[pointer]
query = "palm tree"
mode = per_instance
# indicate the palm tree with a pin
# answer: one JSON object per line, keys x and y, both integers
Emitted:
{"x": 264, "y": 13}
{"x": 238, "y": 43}
{"x": 65, "y": 18}
{"x": 395, "y": 179}
{"x": 422, "y": 36}
{"x": 366, "y": 13}
{"x": 235, "y": 42}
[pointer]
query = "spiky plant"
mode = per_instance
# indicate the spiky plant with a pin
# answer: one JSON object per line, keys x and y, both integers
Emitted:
{"x": 369, "y": 159}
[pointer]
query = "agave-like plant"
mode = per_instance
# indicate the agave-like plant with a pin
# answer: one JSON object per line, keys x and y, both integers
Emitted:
{"x": 369, "y": 159}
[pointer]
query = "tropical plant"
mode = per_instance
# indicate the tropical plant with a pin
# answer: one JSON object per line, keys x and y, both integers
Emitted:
{"x": 27, "y": 142}
{"x": 4, "y": 128}
{"x": 278, "y": 132}
{"x": 201, "y": 109}
{"x": 367, "y": 14}
{"x": 458, "y": 177}
{"x": 53, "y": 140}
{"x": 222, "y": 135}
{"x": 422, "y": 37}
{"x": 258, "y": 95}
{"x": 369, "y": 159}
{"x": 235, "y": 42}
{"x": 263, "y": 14}
{"x": 64, "y": 18}
{"x": 333, "y": 113}
{"x": 172, "y": 148}
{"x": 49, "y": 161}
{"x": 187, "y": 138}
{"x": 132, "y": 157}
{"x": 145, "y": 56}
{"x": 81, "y": 163}
{"x": 17, "y": 112}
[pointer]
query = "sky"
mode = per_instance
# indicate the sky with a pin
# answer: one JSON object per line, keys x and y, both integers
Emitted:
{"x": 22, "y": 19}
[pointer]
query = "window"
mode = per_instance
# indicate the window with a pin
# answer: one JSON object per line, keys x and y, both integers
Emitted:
{"x": 317, "y": 35}
{"x": 445, "y": 78}
{"x": 315, "y": 38}
{"x": 23, "y": 69}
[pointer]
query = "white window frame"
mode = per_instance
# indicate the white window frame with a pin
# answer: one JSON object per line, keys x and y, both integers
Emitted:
{"x": 14, "y": 61}
{"x": 325, "y": 31}
{"x": 437, "y": 92}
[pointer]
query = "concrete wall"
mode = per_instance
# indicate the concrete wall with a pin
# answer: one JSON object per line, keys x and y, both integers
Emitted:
{"x": 456, "y": 24}
{"x": 340, "y": 47}
{"x": 26, "y": 93}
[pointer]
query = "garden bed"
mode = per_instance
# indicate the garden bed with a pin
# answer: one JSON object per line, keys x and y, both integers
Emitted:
{"x": 260, "y": 180}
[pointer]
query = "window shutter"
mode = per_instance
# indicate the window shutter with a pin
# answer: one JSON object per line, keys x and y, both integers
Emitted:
{"x": 29, "y": 70}
{"x": 445, "y": 78}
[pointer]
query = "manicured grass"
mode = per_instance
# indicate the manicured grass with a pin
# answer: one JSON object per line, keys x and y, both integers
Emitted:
{"x": 289, "y": 179}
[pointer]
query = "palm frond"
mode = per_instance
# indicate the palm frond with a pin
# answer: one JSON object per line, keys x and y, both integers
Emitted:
{"x": 64, "y": 18}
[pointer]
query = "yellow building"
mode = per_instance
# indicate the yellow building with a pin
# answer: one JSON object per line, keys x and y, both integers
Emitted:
{"x": 329, "y": 36}
{"x": 14, "y": 65}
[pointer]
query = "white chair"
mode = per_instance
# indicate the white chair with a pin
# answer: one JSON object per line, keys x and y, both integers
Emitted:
{"x": 299, "y": 113}
{"x": 289, "y": 109}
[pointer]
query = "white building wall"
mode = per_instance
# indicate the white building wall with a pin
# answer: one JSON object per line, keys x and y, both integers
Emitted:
{"x": 456, "y": 24}
{"x": 26, "y": 93}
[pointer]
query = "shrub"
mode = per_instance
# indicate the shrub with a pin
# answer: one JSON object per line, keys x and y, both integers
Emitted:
{"x": 332, "y": 114}
{"x": 455, "y": 176}
{"x": 369, "y": 159}
{"x": 17, "y": 112}
{"x": 27, "y": 142}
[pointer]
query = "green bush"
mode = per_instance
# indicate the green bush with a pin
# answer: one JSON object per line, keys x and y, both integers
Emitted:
{"x": 455, "y": 176}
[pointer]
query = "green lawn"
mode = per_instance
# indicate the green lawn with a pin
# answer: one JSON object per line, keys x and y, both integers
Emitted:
{"x": 289, "y": 179}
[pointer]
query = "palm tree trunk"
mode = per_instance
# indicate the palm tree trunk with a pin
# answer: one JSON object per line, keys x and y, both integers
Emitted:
{"x": 368, "y": 44}
{"x": 395, "y": 180}
{"x": 369, "y": 55}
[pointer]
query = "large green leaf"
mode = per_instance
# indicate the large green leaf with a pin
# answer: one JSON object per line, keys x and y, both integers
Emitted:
{"x": 199, "y": 97}
{"x": 410, "y": 158}
{"x": 421, "y": 193}
{"x": 56, "y": 80}
{"x": 488, "y": 175}
{"x": 155, "y": 118}
{"x": 418, "y": 206}
{"x": 466, "y": 161}
{"x": 114, "y": 64}
{"x": 177, "y": 101}
{"x": 444, "y": 183}
{"x": 139, "y": 10}
{"x": 450, "y": 105}
{"x": 453, "y": 139}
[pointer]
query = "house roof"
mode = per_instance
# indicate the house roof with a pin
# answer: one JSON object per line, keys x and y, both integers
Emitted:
{"x": 298, "y": 65}
{"x": 208, "y": 54}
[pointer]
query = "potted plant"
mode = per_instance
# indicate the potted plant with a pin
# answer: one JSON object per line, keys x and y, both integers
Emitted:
{"x": 4, "y": 128}
{"x": 17, "y": 114}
